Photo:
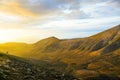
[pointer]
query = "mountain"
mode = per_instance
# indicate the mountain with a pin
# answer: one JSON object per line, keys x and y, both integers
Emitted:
{"x": 98, "y": 44}
{"x": 95, "y": 56}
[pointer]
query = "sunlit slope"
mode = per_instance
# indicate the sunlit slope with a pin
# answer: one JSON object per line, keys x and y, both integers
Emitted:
{"x": 101, "y": 43}
{"x": 53, "y": 48}
{"x": 88, "y": 57}
{"x": 18, "y": 49}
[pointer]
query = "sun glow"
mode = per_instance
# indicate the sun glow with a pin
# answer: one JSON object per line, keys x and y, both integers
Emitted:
{"x": 6, "y": 36}
{"x": 22, "y": 35}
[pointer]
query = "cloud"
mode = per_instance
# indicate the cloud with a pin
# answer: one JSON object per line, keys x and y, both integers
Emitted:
{"x": 115, "y": 2}
{"x": 29, "y": 9}
{"x": 79, "y": 24}
{"x": 77, "y": 14}
{"x": 70, "y": 9}
{"x": 65, "y": 8}
{"x": 16, "y": 9}
{"x": 60, "y": 18}
{"x": 13, "y": 15}
{"x": 55, "y": 7}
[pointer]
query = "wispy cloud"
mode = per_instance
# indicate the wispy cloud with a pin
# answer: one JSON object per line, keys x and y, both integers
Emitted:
{"x": 16, "y": 9}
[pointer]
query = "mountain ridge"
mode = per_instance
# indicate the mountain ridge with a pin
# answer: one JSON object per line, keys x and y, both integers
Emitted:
{"x": 95, "y": 55}
{"x": 88, "y": 44}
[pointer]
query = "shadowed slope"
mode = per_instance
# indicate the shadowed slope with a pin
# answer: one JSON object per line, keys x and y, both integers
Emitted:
{"x": 15, "y": 68}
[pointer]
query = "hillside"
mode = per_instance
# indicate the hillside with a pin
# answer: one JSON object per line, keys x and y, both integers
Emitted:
{"x": 13, "y": 48}
{"x": 15, "y": 68}
{"x": 70, "y": 48}
{"x": 94, "y": 56}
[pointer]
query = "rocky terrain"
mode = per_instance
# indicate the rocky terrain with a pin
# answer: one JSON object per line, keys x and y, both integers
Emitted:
{"x": 15, "y": 68}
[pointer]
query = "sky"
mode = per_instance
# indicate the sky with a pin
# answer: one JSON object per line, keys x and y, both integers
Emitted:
{"x": 32, "y": 20}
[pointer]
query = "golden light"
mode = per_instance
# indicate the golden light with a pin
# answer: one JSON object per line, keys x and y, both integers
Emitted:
{"x": 7, "y": 36}
{"x": 21, "y": 35}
